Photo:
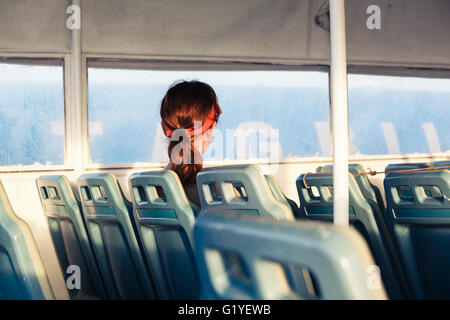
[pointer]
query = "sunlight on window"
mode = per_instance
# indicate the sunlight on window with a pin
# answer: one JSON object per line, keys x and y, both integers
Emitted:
{"x": 31, "y": 114}
{"x": 398, "y": 115}
{"x": 282, "y": 112}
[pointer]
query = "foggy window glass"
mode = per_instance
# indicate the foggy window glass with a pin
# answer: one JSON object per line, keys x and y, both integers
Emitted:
{"x": 282, "y": 114}
{"x": 31, "y": 114}
{"x": 398, "y": 115}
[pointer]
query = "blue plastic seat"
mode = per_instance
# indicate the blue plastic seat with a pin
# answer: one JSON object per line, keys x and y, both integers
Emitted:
{"x": 370, "y": 191}
{"x": 443, "y": 163}
{"x": 115, "y": 244}
{"x": 364, "y": 215}
{"x": 22, "y": 274}
{"x": 242, "y": 189}
{"x": 406, "y": 166}
{"x": 280, "y": 196}
{"x": 69, "y": 235}
{"x": 336, "y": 260}
{"x": 416, "y": 167}
{"x": 418, "y": 207}
{"x": 165, "y": 220}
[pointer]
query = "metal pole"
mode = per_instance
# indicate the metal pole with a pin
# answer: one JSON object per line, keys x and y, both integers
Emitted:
{"x": 339, "y": 112}
{"x": 76, "y": 97}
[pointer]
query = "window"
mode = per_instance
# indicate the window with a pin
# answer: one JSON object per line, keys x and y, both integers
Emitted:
{"x": 31, "y": 114}
{"x": 398, "y": 115}
{"x": 282, "y": 112}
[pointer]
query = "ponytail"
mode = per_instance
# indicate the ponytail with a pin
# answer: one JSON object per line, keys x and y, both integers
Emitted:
{"x": 187, "y": 163}
{"x": 183, "y": 104}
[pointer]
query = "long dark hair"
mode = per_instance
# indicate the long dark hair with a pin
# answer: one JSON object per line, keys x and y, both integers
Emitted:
{"x": 184, "y": 103}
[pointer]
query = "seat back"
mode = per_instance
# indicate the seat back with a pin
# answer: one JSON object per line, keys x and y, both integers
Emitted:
{"x": 279, "y": 195}
{"x": 242, "y": 189}
{"x": 406, "y": 166}
{"x": 114, "y": 241}
{"x": 165, "y": 221}
{"x": 370, "y": 191}
{"x": 364, "y": 215}
{"x": 69, "y": 235}
{"x": 443, "y": 163}
{"x": 261, "y": 249}
{"x": 22, "y": 274}
{"x": 418, "y": 206}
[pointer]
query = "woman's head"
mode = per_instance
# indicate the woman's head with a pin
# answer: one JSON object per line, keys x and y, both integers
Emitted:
{"x": 189, "y": 113}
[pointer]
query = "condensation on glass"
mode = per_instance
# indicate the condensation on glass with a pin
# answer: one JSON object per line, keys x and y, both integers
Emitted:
{"x": 398, "y": 115}
{"x": 31, "y": 114}
{"x": 266, "y": 114}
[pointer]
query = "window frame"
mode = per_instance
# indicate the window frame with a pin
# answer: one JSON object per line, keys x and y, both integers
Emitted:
{"x": 46, "y": 59}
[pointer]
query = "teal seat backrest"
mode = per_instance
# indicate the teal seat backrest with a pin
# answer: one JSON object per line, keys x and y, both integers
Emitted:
{"x": 364, "y": 215}
{"x": 242, "y": 189}
{"x": 68, "y": 232}
{"x": 261, "y": 248}
{"x": 22, "y": 274}
{"x": 279, "y": 195}
{"x": 165, "y": 222}
{"x": 406, "y": 166}
{"x": 444, "y": 163}
{"x": 369, "y": 190}
{"x": 114, "y": 241}
{"x": 418, "y": 205}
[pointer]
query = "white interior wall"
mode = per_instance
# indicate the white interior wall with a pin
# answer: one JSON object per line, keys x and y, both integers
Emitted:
{"x": 413, "y": 32}
{"x": 254, "y": 30}
{"x": 219, "y": 29}
{"x": 34, "y": 26}
{"x": 267, "y": 30}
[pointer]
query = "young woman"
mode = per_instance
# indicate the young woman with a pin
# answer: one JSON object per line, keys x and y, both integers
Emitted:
{"x": 189, "y": 113}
